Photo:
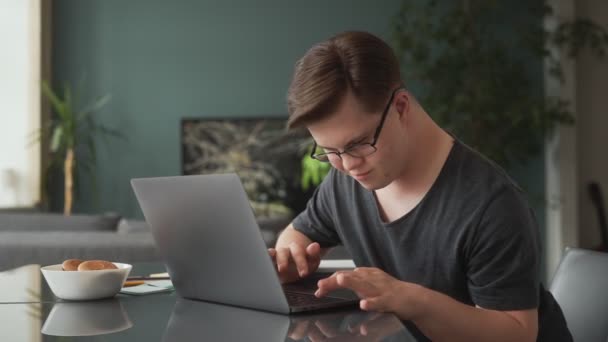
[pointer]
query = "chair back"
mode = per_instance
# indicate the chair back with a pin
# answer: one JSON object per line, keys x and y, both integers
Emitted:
{"x": 580, "y": 286}
{"x": 595, "y": 193}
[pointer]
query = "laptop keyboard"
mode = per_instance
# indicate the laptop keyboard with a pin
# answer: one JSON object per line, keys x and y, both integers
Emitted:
{"x": 304, "y": 299}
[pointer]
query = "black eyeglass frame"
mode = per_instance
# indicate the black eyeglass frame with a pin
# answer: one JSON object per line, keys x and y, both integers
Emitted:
{"x": 317, "y": 156}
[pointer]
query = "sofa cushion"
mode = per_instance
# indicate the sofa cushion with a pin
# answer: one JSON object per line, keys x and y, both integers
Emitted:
{"x": 57, "y": 222}
{"x": 48, "y": 248}
{"x": 126, "y": 226}
{"x": 268, "y": 228}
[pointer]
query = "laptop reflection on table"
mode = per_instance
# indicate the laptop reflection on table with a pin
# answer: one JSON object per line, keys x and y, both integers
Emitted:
{"x": 205, "y": 321}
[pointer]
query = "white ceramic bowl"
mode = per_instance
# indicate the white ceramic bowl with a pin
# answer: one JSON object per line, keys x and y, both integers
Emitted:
{"x": 85, "y": 285}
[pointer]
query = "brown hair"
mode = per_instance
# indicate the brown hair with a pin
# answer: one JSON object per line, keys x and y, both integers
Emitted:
{"x": 355, "y": 61}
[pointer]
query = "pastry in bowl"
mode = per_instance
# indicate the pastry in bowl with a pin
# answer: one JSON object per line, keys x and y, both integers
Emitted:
{"x": 71, "y": 264}
{"x": 96, "y": 265}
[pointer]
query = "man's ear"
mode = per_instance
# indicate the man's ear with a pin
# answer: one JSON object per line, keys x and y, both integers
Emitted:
{"x": 402, "y": 103}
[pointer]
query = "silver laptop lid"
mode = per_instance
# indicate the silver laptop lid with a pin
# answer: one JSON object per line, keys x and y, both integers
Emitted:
{"x": 208, "y": 237}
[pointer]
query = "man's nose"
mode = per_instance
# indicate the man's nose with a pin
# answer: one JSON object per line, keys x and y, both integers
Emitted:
{"x": 350, "y": 163}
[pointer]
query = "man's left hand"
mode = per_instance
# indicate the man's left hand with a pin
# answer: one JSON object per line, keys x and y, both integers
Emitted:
{"x": 378, "y": 290}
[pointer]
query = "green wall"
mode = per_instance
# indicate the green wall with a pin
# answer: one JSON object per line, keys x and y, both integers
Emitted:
{"x": 165, "y": 60}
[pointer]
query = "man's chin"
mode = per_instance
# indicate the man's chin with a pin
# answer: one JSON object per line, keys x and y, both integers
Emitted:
{"x": 370, "y": 185}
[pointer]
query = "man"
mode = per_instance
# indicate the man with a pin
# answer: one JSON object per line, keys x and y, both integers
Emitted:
{"x": 442, "y": 237}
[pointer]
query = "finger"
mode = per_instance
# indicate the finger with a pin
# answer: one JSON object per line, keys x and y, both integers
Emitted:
{"x": 282, "y": 259}
{"x": 363, "y": 330}
{"x": 298, "y": 254}
{"x": 373, "y": 304}
{"x": 313, "y": 252}
{"x": 326, "y": 285}
{"x": 364, "y": 305}
{"x": 340, "y": 279}
{"x": 314, "y": 335}
{"x": 273, "y": 255}
{"x": 355, "y": 282}
{"x": 371, "y": 328}
{"x": 370, "y": 272}
{"x": 338, "y": 272}
{"x": 374, "y": 325}
{"x": 326, "y": 329}
{"x": 298, "y": 331}
{"x": 272, "y": 252}
{"x": 375, "y": 316}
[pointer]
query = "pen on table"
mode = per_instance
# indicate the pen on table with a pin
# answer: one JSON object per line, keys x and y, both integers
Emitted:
{"x": 133, "y": 283}
{"x": 147, "y": 278}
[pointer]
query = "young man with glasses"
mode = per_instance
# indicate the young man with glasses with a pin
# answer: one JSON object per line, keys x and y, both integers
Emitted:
{"x": 442, "y": 237}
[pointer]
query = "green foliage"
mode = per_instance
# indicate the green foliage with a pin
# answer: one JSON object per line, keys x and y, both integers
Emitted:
{"x": 474, "y": 68}
{"x": 72, "y": 127}
{"x": 65, "y": 127}
{"x": 313, "y": 171}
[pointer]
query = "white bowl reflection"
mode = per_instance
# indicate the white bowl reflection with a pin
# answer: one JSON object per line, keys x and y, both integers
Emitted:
{"x": 86, "y": 318}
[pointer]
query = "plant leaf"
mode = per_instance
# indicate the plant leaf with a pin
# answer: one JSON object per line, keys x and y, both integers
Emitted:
{"x": 56, "y": 102}
{"x": 110, "y": 131}
{"x": 56, "y": 139}
{"x": 67, "y": 97}
{"x": 95, "y": 106}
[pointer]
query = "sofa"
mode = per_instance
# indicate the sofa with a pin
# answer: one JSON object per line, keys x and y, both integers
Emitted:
{"x": 47, "y": 238}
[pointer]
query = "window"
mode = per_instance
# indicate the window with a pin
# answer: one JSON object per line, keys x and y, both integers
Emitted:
{"x": 20, "y": 67}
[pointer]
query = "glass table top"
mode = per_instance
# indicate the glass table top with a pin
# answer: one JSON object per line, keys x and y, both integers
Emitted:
{"x": 170, "y": 318}
{"x": 26, "y": 284}
{"x": 30, "y": 312}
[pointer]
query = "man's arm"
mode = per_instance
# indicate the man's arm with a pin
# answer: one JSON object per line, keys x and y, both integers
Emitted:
{"x": 438, "y": 316}
{"x": 442, "y": 318}
{"x": 289, "y": 235}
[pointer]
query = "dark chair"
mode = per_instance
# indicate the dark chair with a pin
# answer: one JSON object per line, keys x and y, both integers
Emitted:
{"x": 598, "y": 201}
{"x": 580, "y": 286}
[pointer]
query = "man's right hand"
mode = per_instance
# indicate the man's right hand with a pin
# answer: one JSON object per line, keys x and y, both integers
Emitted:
{"x": 295, "y": 262}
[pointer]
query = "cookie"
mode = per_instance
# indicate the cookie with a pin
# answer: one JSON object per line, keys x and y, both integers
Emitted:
{"x": 95, "y": 265}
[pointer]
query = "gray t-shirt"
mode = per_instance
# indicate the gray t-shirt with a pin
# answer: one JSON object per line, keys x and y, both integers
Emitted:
{"x": 472, "y": 237}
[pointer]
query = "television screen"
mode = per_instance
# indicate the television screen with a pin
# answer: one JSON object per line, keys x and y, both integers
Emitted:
{"x": 262, "y": 152}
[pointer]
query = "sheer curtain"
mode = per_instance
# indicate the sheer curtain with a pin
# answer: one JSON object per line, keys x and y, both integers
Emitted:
{"x": 20, "y": 74}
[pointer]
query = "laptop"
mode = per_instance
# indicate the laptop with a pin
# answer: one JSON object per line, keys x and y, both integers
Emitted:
{"x": 207, "y": 235}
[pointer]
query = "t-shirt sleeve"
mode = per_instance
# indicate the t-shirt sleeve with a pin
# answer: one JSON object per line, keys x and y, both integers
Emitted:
{"x": 503, "y": 255}
{"x": 316, "y": 221}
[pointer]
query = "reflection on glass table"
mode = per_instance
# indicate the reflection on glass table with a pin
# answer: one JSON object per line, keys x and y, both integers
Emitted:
{"x": 86, "y": 318}
{"x": 203, "y": 321}
{"x": 357, "y": 326}
{"x": 21, "y": 285}
{"x": 21, "y": 322}
{"x": 26, "y": 284}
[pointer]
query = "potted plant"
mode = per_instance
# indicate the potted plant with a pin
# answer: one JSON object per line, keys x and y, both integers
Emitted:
{"x": 70, "y": 132}
{"x": 475, "y": 74}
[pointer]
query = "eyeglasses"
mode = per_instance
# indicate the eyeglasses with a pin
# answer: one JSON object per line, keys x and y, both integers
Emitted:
{"x": 358, "y": 150}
